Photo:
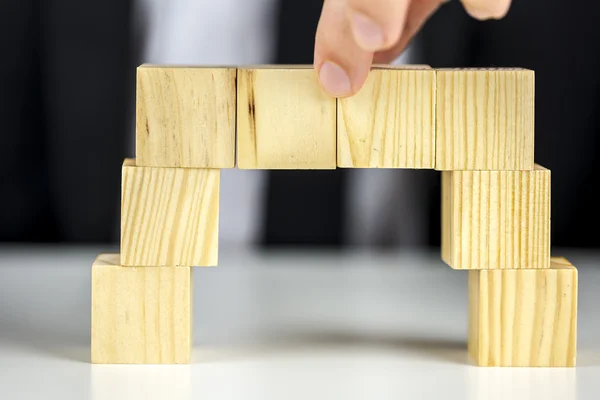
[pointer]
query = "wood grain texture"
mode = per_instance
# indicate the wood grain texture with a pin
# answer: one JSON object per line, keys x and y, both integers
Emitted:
{"x": 140, "y": 315}
{"x": 169, "y": 216}
{"x": 390, "y": 122}
{"x": 446, "y": 217}
{"x": 496, "y": 219}
{"x": 284, "y": 120}
{"x": 524, "y": 318}
{"x": 185, "y": 117}
{"x": 485, "y": 119}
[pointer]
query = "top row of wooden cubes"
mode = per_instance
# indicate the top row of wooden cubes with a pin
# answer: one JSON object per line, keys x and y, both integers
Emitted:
{"x": 280, "y": 118}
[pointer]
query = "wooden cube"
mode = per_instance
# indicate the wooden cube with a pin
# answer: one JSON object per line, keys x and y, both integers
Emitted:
{"x": 185, "y": 117}
{"x": 524, "y": 318}
{"x": 284, "y": 119}
{"x": 496, "y": 219}
{"x": 390, "y": 122}
{"x": 485, "y": 119}
{"x": 140, "y": 315}
{"x": 169, "y": 216}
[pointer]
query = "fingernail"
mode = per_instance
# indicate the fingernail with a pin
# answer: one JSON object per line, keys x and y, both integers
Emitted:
{"x": 484, "y": 14}
{"x": 367, "y": 33}
{"x": 479, "y": 14}
{"x": 334, "y": 79}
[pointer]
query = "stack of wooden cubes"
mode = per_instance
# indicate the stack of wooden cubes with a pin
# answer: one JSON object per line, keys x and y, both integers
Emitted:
{"x": 142, "y": 297}
{"x": 476, "y": 126}
{"x": 496, "y": 221}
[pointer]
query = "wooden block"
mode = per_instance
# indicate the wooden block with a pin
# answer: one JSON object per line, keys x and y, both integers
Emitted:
{"x": 496, "y": 219}
{"x": 185, "y": 117}
{"x": 140, "y": 315}
{"x": 169, "y": 216}
{"x": 524, "y": 318}
{"x": 284, "y": 120}
{"x": 390, "y": 122}
{"x": 485, "y": 119}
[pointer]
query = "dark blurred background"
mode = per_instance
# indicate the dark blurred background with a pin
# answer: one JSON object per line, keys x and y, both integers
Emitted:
{"x": 67, "y": 84}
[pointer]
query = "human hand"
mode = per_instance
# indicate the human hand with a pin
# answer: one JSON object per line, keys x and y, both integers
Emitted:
{"x": 354, "y": 34}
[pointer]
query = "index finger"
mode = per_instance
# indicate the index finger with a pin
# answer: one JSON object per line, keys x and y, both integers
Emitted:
{"x": 342, "y": 66}
{"x": 486, "y": 9}
{"x": 377, "y": 24}
{"x": 346, "y": 33}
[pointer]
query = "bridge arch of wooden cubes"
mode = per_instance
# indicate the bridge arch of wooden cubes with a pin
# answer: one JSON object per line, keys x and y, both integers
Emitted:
{"x": 476, "y": 126}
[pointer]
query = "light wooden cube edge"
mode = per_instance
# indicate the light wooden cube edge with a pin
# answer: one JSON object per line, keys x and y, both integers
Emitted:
{"x": 390, "y": 122}
{"x": 169, "y": 216}
{"x": 185, "y": 116}
{"x": 140, "y": 315}
{"x": 485, "y": 119}
{"x": 524, "y": 318}
{"x": 496, "y": 219}
{"x": 285, "y": 120}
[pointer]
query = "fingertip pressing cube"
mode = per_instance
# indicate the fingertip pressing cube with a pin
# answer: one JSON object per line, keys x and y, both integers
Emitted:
{"x": 284, "y": 119}
{"x": 390, "y": 122}
{"x": 524, "y": 318}
{"x": 169, "y": 216}
{"x": 140, "y": 315}
{"x": 185, "y": 116}
{"x": 485, "y": 119}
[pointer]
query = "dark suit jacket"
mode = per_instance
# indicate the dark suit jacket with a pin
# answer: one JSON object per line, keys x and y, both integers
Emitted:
{"x": 66, "y": 85}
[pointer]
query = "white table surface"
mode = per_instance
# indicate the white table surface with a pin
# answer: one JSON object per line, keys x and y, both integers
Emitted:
{"x": 281, "y": 326}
